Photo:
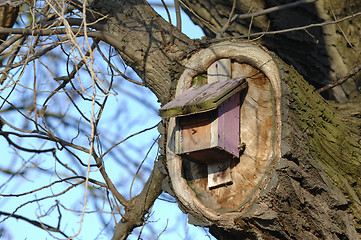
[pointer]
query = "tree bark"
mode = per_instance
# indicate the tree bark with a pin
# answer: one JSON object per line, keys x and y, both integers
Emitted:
{"x": 146, "y": 42}
{"x": 321, "y": 55}
{"x": 316, "y": 194}
{"x": 310, "y": 190}
{"x": 314, "y": 188}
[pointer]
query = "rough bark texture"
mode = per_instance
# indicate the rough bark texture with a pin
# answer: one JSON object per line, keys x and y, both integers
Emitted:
{"x": 320, "y": 162}
{"x": 314, "y": 190}
{"x": 321, "y": 54}
{"x": 145, "y": 40}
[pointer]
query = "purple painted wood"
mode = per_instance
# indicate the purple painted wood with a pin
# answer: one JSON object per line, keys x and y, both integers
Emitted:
{"x": 228, "y": 124}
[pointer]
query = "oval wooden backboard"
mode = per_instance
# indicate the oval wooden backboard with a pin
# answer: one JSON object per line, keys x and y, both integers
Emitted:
{"x": 260, "y": 131}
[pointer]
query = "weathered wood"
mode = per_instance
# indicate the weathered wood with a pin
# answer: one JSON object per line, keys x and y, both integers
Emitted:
{"x": 190, "y": 180}
{"x": 196, "y": 132}
{"x": 219, "y": 174}
{"x": 299, "y": 173}
{"x": 229, "y": 124}
{"x": 204, "y": 98}
{"x": 210, "y": 137}
{"x": 219, "y": 70}
{"x": 257, "y": 132}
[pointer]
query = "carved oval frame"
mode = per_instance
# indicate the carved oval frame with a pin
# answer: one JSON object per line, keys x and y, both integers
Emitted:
{"x": 248, "y": 53}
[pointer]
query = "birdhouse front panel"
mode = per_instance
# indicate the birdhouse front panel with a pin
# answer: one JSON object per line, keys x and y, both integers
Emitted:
{"x": 212, "y": 136}
{"x": 196, "y": 131}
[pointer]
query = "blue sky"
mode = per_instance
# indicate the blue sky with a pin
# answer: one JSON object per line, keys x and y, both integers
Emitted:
{"x": 165, "y": 215}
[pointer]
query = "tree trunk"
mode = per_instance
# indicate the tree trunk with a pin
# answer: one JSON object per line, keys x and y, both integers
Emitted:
{"x": 306, "y": 181}
{"x": 315, "y": 191}
{"x": 320, "y": 54}
{"x": 146, "y": 42}
{"x": 313, "y": 188}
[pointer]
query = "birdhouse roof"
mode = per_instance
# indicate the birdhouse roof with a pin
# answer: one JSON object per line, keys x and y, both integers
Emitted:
{"x": 204, "y": 98}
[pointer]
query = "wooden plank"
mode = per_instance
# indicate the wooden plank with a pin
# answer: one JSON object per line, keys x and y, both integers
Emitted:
{"x": 229, "y": 124}
{"x": 208, "y": 156}
{"x": 204, "y": 98}
{"x": 196, "y": 131}
{"x": 219, "y": 70}
{"x": 219, "y": 174}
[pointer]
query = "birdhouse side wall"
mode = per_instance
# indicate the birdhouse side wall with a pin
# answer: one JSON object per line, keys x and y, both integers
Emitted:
{"x": 229, "y": 125}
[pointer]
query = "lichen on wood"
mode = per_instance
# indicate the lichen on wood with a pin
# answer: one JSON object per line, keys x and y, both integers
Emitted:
{"x": 327, "y": 143}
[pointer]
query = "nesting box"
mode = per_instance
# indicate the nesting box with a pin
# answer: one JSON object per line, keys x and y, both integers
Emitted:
{"x": 208, "y": 121}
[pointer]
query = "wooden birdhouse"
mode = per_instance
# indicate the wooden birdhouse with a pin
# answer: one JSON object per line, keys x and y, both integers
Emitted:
{"x": 223, "y": 136}
{"x": 208, "y": 121}
{"x": 208, "y": 125}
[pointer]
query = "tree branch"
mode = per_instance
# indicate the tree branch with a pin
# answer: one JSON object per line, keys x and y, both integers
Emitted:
{"x": 300, "y": 28}
{"x": 352, "y": 73}
{"x": 269, "y": 10}
{"x": 139, "y": 206}
{"x": 35, "y": 223}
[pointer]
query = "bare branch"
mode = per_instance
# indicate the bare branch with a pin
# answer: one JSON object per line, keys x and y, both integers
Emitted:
{"x": 269, "y": 10}
{"x": 300, "y": 28}
{"x": 140, "y": 166}
{"x": 35, "y": 223}
{"x": 352, "y": 73}
{"x": 139, "y": 206}
{"x": 228, "y": 23}
{"x": 53, "y": 183}
{"x": 170, "y": 22}
{"x": 209, "y": 25}
{"x": 117, "y": 70}
{"x": 46, "y": 197}
{"x": 125, "y": 139}
{"x": 178, "y": 15}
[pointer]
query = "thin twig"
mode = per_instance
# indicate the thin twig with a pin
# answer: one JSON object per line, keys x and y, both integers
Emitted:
{"x": 228, "y": 23}
{"x": 52, "y": 184}
{"x": 35, "y": 223}
{"x": 140, "y": 166}
{"x": 272, "y": 9}
{"x": 210, "y": 26}
{"x": 25, "y": 149}
{"x": 125, "y": 139}
{"x": 352, "y": 73}
{"x": 117, "y": 69}
{"x": 339, "y": 27}
{"x": 170, "y": 23}
{"x": 178, "y": 15}
{"x": 66, "y": 79}
{"x": 12, "y": 58}
{"x": 250, "y": 28}
{"x": 43, "y": 198}
{"x": 300, "y": 28}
